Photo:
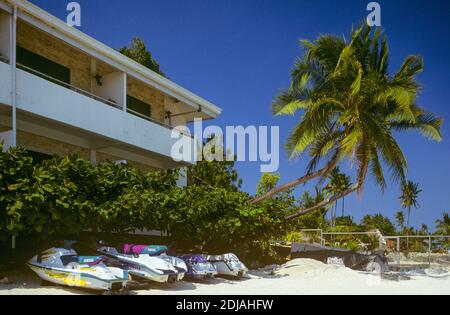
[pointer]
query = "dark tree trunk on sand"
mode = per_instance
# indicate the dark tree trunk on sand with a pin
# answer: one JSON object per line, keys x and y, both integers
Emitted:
{"x": 324, "y": 203}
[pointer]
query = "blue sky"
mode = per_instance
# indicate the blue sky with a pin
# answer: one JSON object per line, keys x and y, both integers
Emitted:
{"x": 238, "y": 54}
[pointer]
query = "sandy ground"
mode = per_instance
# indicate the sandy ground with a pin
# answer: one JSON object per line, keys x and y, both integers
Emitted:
{"x": 300, "y": 276}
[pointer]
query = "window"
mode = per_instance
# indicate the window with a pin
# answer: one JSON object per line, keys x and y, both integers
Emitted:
{"x": 139, "y": 107}
{"x": 43, "y": 65}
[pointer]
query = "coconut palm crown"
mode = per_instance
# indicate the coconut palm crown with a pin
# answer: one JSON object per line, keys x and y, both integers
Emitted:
{"x": 351, "y": 106}
{"x": 409, "y": 198}
{"x": 443, "y": 225}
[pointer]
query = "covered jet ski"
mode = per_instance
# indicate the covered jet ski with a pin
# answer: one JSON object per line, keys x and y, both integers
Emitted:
{"x": 228, "y": 265}
{"x": 144, "y": 262}
{"x": 64, "y": 267}
{"x": 198, "y": 267}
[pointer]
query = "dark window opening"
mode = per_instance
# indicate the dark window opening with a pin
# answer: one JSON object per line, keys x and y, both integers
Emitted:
{"x": 42, "y": 65}
{"x": 138, "y": 106}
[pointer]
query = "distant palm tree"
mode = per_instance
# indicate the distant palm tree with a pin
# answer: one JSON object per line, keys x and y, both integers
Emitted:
{"x": 424, "y": 230}
{"x": 351, "y": 108}
{"x": 346, "y": 184}
{"x": 443, "y": 225}
{"x": 338, "y": 183}
{"x": 400, "y": 218}
{"x": 409, "y": 198}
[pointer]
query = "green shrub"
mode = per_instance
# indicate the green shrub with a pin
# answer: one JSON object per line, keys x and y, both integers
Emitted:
{"x": 64, "y": 196}
{"x": 353, "y": 245}
{"x": 294, "y": 237}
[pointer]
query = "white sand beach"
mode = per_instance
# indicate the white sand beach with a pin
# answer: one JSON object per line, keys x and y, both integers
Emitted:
{"x": 299, "y": 277}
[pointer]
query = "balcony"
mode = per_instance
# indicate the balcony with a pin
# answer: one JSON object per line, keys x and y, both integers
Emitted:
{"x": 64, "y": 112}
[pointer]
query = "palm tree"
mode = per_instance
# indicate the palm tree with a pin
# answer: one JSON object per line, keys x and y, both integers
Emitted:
{"x": 424, "y": 230}
{"x": 351, "y": 108}
{"x": 338, "y": 183}
{"x": 409, "y": 198}
{"x": 410, "y": 194}
{"x": 443, "y": 225}
{"x": 400, "y": 218}
{"x": 346, "y": 184}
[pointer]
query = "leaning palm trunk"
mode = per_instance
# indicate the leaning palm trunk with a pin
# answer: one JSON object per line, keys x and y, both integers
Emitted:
{"x": 331, "y": 165}
{"x": 324, "y": 203}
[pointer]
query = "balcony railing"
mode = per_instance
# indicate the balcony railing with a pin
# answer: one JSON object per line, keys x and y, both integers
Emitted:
{"x": 90, "y": 95}
{"x": 68, "y": 86}
{"x": 4, "y": 59}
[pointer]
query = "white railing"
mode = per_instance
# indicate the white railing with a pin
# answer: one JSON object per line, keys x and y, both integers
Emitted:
{"x": 384, "y": 239}
{"x": 91, "y": 95}
{"x": 4, "y": 59}
{"x": 428, "y": 238}
{"x": 68, "y": 86}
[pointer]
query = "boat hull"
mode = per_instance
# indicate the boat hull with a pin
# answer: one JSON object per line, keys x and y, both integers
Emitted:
{"x": 76, "y": 278}
{"x": 145, "y": 267}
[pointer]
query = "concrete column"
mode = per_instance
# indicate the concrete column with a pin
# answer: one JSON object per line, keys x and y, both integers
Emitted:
{"x": 124, "y": 91}
{"x": 93, "y": 157}
{"x": 13, "y": 55}
{"x": 93, "y": 74}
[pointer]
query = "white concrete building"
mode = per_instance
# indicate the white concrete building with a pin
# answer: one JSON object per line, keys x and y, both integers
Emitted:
{"x": 63, "y": 92}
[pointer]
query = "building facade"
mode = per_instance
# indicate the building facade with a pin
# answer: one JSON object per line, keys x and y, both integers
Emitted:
{"x": 63, "y": 92}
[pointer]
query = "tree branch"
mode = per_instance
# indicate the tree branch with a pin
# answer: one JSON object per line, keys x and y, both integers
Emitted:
{"x": 324, "y": 203}
{"x": 331, "y": 165}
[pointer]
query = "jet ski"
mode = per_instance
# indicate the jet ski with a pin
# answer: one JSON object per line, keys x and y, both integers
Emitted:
{"x": 64, "y": 267}
{"x": 162, "y": 252}
{"x": 145, "y": 262}
{"x": 228, "y": 265}
{"x": 198, "y": 267}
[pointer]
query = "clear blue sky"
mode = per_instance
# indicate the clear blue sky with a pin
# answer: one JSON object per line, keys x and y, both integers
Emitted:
{"x": 238, "y": 54}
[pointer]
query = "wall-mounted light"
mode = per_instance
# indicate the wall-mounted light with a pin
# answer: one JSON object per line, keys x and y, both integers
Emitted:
{"x": 98, "y": 78}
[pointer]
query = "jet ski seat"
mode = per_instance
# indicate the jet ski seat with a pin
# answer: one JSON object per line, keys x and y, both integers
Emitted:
{"x": 152, "y": 250}
{"x": 82, "y": 260}
{"x": 194, "y": 258}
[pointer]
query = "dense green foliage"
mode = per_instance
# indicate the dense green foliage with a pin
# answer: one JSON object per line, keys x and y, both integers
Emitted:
{"x": 68, "y": 195}
{"x": 379, "y": 222}
{"x": 315, "y": 220}
{"x": 138, "y": 51}
{"x": 65, "y": 196}
{"x": 215, "y": 174}
{"x": 443, "y": 225}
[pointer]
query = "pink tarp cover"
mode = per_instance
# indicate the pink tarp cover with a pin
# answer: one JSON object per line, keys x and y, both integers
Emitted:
{"x": 133, "y": 249}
